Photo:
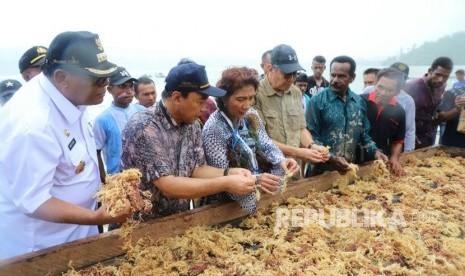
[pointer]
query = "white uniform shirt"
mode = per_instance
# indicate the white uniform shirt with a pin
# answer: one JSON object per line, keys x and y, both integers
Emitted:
{"x": 43, "y": 138}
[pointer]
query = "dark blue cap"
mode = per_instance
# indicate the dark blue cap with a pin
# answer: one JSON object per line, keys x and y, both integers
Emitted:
{"x": 35, "y": 56}
{"x": 286, "y": 59}
{"x": 121, "y": 76}
{"x": 7, "y": 89}
{"x": 9, "y": 85}
{"x": 82, "y": 51}
{"x": 191, "y": 77}
{"x": 401, "y": 67}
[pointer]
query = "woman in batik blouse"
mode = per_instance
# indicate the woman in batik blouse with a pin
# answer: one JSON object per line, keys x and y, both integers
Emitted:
{"x": 234, "y": 136}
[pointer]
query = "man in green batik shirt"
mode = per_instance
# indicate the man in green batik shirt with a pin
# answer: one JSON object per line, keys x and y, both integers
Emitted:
{"x": 336, "y": 117}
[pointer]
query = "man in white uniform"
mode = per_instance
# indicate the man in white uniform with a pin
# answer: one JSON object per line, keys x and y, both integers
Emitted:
{"x": 48, "y": 163}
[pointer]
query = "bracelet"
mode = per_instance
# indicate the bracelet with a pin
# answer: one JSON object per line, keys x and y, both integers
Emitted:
{"x": 257, "y": 178}
{"x": 226, "y": 172}
{"x": 310, "y": 145}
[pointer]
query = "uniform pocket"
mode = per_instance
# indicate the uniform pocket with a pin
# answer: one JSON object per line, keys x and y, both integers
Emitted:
{"x": 77, "y": 154}
{"x": 75, "y": 159}
{"x": 294, "y": 119}
{"x": 271, "y": 118}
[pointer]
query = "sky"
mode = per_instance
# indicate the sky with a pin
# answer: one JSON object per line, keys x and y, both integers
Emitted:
{"x": 236, "y": 32}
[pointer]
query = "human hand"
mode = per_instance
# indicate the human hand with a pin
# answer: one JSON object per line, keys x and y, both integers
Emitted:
{"x": 324, "y": 151}
{"x": 268, "y": 183}
{"x": 340, "y": 164}
{"x": 460, "y": 102}
{"x": 289, "y": 165}
{"x": 120, "y": 217}
{"x": 381, "y": 156}
{"x": 396, "y": 168}
{"x": 310, "y": 155}
{"x": 240, "y": 184}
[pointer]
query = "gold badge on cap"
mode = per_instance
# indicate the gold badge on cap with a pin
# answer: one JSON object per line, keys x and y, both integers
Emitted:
{"x": 99, "y": 44}
{"x": 66, "y": 133}
{"x": 80, "y": 167}
{"x": 101, "y": 57}
{"x": 41, "y": 50}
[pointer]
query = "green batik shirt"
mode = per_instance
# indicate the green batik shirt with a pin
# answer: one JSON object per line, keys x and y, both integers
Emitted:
{"x": 343, "y": 126}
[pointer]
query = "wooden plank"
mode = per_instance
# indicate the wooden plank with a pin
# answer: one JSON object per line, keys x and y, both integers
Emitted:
{"x": 85, "y": 252}
{"x": 89, "y": 251}
{"x": 105, "y": 246}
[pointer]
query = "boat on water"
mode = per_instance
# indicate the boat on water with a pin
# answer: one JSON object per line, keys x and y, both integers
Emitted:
{"x": 160, "y": 75}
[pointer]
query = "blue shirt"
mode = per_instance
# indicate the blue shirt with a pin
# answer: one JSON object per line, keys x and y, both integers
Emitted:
{"x": 459, "y": 84}
{"x": 343, "y": 126}
{"x": 108, "y": 128}
{"x": 305, "y": 100}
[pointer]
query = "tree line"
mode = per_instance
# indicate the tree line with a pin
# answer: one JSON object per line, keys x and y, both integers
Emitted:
{"x": 452, "y": 46}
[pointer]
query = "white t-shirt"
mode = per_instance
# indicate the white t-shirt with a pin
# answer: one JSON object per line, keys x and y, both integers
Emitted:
{"x": 44, "y": 138}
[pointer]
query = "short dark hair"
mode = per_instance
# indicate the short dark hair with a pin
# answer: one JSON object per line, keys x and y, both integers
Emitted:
{"x": 393, "y": 74}
{"x": 371, "y": 71}
{"x": 345, "y": 59}
{"x": 444, "y": 62}
{"x": 235, "y": 78}
{"x": 301, "y": 77}
{"x": 48, "y": 69}
{"x": 142, "y": 80}
{"x": 268, "y": 52}
{"x": 320, "y": 59}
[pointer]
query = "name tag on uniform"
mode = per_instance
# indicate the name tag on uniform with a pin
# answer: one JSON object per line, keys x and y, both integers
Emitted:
{"x": 72, "y": 144}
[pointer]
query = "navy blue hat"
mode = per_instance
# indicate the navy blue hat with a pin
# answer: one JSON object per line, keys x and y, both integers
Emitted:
{"x": 286, "y": 59}
{"x": 82, "y": 52}
{"x": 191, "y": 77}
{"x": 7, "y": 89}
{"x": 35, "y": 56}
{"x": 121, "y": 76}
{"x": 401, "y": 67}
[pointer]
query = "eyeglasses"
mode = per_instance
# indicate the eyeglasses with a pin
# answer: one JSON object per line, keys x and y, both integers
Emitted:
{"x": 379, "y": 87}
{"x": 290, "y": 75}
{"x": 94, "y": 81}
{"x": 286, "y": 76}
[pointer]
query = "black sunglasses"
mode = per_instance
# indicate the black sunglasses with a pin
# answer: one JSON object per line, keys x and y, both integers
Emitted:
{"x": 99, "y": 81}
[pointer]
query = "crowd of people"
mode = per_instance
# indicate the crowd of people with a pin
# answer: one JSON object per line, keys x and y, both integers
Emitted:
{"x": 213, "y": 143}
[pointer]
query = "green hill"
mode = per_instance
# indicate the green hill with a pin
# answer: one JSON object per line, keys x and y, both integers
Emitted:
{"x": 452, "y": 46}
